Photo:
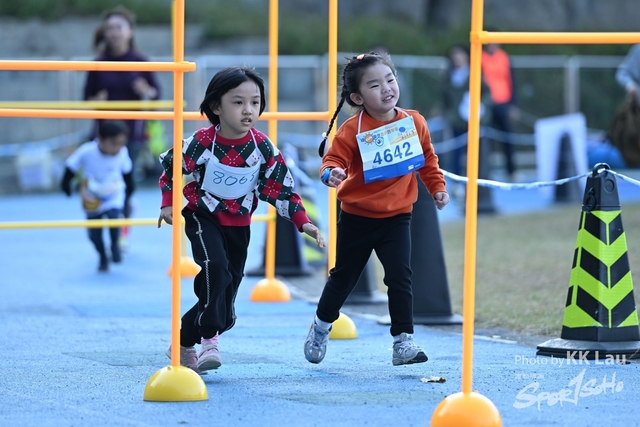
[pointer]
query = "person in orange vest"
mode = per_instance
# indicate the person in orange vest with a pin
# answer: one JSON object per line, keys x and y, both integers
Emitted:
{"x": 498, "y": 75}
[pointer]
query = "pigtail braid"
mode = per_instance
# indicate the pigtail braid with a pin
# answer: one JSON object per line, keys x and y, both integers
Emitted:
{"x": 333, "y": 119}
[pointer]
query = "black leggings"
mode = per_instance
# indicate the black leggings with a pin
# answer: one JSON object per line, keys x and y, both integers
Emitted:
{"x": 95, "y": 234}
{"x": 357, "y": 237}
{"x": 221, "y": 252}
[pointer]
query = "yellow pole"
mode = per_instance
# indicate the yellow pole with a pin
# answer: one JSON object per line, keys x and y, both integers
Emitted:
{"x": 557, "y": 38}
{"x": 143, "y": 115}
{"x": 270, "y": 255}
{"x": 183, "y": 245}
{"x": 21, "y": 65}
{"x": 471, "y": 219}
{"x": 98, "y": 223}
{"x": 98, "y": 105}
{"x": 176, "y": 383}
{"x": 331, "y": 96}
{"x": 178, "y": 95}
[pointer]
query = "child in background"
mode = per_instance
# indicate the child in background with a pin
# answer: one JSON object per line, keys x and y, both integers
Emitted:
{"x": 372, "y": 162}
{"x": 233, "y": 165}
{"x": 106, "y": 180}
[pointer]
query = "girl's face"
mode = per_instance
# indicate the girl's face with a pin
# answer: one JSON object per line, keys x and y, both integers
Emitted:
{"x": 118, "y": 33}
{"x": 239, "y": 109}
{"x": 378, "y": 92}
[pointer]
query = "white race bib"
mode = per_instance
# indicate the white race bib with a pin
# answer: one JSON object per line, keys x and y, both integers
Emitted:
{"x": 391, "y": 150}
{"x": 229, "y": 182}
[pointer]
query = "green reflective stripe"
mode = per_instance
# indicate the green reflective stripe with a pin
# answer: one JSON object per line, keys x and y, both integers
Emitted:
{"x": 575, "y": 317}
{"x": 632, "y": 320}
{"x": 605, "y": 216}
{"x": 608, "y": 254}
{"x": 608, "y": 297}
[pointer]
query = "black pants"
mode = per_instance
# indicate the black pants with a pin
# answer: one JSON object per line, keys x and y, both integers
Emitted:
{"x": 501, "y": 121}
{"x": 221, "y": 252}
{"x": 357, "y": 237}
{"x": 95, "y": 234}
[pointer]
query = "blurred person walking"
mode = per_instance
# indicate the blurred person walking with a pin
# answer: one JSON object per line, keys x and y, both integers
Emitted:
{"x": 498, "y": 75}
{"x": 114, "y": 41}
{"x": 454, "y": 106}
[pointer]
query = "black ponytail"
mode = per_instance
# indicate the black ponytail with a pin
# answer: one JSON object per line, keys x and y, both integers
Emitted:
{"x": 333, "y": 119}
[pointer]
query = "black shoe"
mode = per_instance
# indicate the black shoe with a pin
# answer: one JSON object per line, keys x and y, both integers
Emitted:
{"x": 103, "y": 267}
{"x": 104, "y": 264}
{"x": 116, "y": 255}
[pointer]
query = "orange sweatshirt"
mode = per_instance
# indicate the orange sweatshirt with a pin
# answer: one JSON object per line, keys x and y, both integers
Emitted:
{"x": 389, "y": 197}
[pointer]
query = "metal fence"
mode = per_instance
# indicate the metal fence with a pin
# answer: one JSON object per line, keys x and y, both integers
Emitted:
{"x": 545, "y": 86}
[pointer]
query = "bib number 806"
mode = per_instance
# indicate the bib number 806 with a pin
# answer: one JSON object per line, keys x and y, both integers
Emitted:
{"x": 228, "y": 180}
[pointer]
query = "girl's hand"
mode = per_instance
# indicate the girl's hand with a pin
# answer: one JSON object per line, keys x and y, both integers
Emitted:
{"x": 441, "y": 198}
{"x": 313, "y": 231}
{"x": 336, "y": 177}
{"x": 166, "y": 213}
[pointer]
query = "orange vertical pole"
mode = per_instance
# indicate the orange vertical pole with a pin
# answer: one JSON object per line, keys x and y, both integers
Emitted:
{"x": 471, "y": 216}
{"x": 270, "y": 255}
{"x": 467, "y": 408}
{"x": 178, "y": 109}
{"x": 332, "y": 103}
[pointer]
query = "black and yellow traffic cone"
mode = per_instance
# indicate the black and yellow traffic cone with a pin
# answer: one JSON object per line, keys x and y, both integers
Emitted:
{"x": 600, "y": 318}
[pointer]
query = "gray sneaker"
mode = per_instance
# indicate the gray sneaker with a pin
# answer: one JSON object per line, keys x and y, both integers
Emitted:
{"x": 315, "y": 346}
{"x": 406, "y": 352}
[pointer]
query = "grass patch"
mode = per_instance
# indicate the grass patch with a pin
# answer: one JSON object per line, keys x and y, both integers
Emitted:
{"x": 524, "y": 266}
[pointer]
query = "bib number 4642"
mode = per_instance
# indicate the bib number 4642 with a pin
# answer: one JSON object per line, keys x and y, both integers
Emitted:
{"x": 387, "y": 157}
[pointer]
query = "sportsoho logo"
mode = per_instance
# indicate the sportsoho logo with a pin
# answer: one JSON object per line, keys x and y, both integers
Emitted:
{"x": 579, "y": 387}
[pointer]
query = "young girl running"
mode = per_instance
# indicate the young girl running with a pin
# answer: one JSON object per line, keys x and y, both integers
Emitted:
{"x": 372, "y": 162}
{"x": 233, "y": 165}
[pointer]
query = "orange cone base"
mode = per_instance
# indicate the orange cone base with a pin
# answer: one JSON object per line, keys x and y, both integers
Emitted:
{"x": 270, "y": 290}
{"x": 343, "y": 328}
{"x": 188, "y": 268}
{"x": 175, "y": 384}
{"x": 466, "y": 410}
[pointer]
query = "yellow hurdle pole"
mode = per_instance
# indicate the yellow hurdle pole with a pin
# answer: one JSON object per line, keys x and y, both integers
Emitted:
{"x": 20, "y": 65}
{"x": 86, "y": 105}
{"x": 178, "y": 95}
{"x": 471, "y": 219}
{"x": 270, "y": 254}
{"x": 332, "y": 104}
{"x": 98, "y": 223}
{"x": 183, "y": 240}
{"x": 145, "y": 115}
{"x": 555, "y": 38}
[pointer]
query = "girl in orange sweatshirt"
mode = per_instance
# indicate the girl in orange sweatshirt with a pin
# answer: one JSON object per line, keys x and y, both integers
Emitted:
{"x": 372, "y": 162}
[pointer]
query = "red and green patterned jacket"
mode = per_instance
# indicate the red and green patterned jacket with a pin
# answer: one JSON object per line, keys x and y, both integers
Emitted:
{"x": 275, "y": 183}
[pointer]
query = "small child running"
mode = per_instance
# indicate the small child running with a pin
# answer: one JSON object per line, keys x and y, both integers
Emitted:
{"x": 233, "y": 165}
{"x": 372, "y": 162}
{"x": 106, "y": 185}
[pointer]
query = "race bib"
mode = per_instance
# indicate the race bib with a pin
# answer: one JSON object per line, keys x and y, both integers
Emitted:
{"x": 390, "y": 151}
{"x": 229, "y": 182}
